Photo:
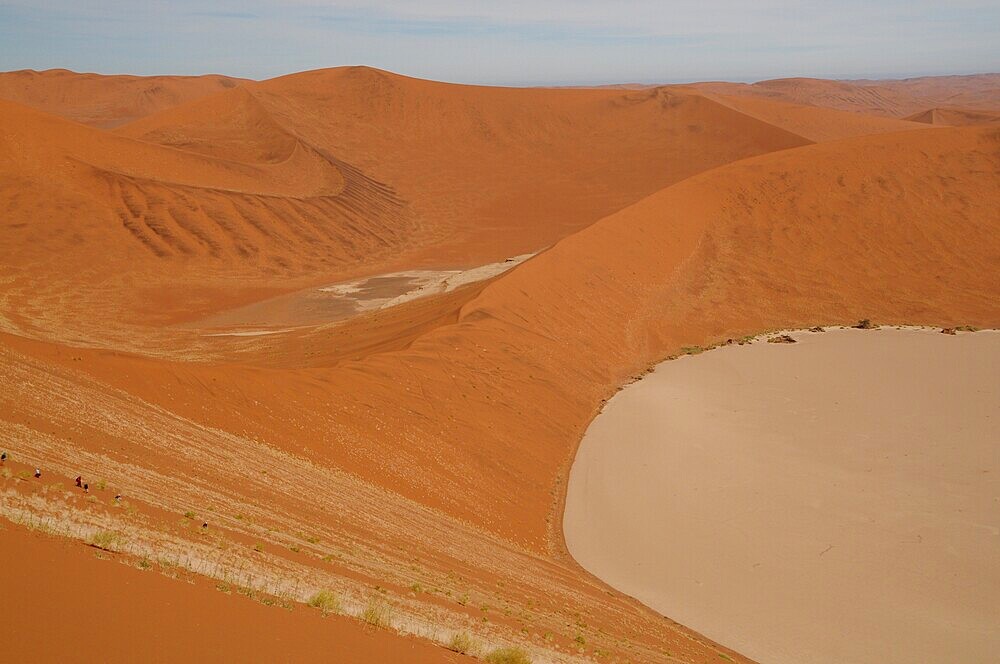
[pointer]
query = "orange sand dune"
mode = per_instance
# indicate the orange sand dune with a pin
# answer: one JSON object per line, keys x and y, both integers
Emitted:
{"x": 894, "y": 98}
{"x": 499, "y": 171}
{"x": 105, "y": 101}
{"x": 319, "y": 176}
{"x": 813, "y": 122}
{"x": 955, "y": 117}
{"x": 102, "y": 609}
{"x": 423, "y": 451}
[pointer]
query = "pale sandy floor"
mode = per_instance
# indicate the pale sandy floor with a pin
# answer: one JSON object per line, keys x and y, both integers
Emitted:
{"x": 835, "y": 500}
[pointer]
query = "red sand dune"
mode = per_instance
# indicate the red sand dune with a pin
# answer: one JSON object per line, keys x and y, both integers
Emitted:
{"x": 62, "y": 603}
{"x": 955, "y": 117}
{"x": 105, "y": 101}
{"x": 423, "y": 450}
{"x": 894, "y": 98}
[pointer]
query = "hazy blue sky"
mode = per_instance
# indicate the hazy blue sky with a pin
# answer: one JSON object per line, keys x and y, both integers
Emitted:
{"x": 512, "y": 42}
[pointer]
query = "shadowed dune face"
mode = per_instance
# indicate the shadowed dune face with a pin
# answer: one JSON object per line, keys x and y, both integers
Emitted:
{"x": 105, "y": 101}
{"x": 429, "y": 442}
{"x": 956, "y": 117}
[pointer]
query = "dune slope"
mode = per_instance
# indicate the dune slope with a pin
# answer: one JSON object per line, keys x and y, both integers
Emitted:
{"x": 440, "y": 462}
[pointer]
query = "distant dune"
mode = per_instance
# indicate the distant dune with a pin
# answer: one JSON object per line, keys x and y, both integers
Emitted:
{"x": 417, "y": 455}
{"x": 105, "y": 101}
{"x": 894, "y": 98}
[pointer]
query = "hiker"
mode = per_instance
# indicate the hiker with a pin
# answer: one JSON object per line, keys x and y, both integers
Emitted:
{"x": 3, "y": 457}
{"x": 204, "y": 524}
{"x": 38, "y": 473}
{"x": 118, "y": 497}
{"x": 86, "y": 488}
{"x": 79, "y": 480}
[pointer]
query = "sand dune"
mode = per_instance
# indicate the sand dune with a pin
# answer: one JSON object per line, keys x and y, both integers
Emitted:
{"x": 326, "y": 176}
{"x": 105, "y": 101}
{"x": 894, "y": 98}
{"x": 423, "y": 449}
{"x": 955, "y": 117}
{"x": 814, "y": 122}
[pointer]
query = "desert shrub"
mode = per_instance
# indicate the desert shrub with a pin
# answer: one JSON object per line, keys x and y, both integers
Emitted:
{"x": 377, "y": 614}
{"x": 326, "y": 601}
{"x": 462, "y": 643}
{"x": 508, "y": 655}
{"x": 105, "y": 539}
{"x": 864, "y": 324}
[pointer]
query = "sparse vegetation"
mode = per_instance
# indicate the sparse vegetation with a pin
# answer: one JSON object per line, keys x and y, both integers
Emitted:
{"x": 144, "y": 563}
{"x": 508, "y": 655}
{"x": 691, "y": 350}
{"x": 378, "y": 614}
{"x": 864, "y": 324}
{"x": 781, "y": 339}
{"x": 106, "y": 540}
{"x": 464, "y": 644}
{"x": 326, "y": 601}
{"x": 258, "y": 547}
{"x": 189, "y": 514}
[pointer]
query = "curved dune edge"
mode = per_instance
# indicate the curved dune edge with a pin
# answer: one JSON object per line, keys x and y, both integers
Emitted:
{"x": 833, "y": 497}
{"x": 442, "y": 462}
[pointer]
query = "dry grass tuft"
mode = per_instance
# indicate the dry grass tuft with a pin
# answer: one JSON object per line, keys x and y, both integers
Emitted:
{"x": 377, "y": 614}
{"x": 464, "y": 644}
{"x": 326, "y": 601}
{"x": 508, "y": 655}
{"x": 108, "y": 540}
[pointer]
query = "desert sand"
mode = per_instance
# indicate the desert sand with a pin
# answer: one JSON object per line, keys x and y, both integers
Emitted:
{"x": 418, "y": 453}
{"x": 829, "y": 501}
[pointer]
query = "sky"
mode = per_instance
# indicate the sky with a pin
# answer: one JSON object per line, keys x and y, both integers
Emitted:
{"x": 516, "y": 42}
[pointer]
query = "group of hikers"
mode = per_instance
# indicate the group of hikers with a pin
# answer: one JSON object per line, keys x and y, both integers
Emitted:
{"x": 79, "y": 478}
{"x": 79, "y": 483}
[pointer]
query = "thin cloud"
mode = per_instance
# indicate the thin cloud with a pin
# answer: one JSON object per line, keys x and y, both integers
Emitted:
{"x": 516, "y": 42}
